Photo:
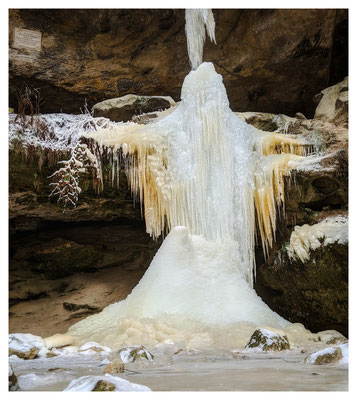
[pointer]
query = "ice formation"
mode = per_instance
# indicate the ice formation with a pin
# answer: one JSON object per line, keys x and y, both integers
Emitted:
{"x": 197, "y": 22}
{"x": 310, "y": 237}
{"x": 199, "y": 173}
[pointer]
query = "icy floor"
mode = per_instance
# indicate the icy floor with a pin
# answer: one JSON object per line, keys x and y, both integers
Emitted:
{"x": 239, "y": 371}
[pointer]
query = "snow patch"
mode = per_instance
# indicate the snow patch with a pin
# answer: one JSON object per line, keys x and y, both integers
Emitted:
{"x": 310, "y": 237}
{"x": 87, "y": 384}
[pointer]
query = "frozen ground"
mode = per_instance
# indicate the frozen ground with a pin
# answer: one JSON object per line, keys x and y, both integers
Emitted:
{"x": 241, "y": 370}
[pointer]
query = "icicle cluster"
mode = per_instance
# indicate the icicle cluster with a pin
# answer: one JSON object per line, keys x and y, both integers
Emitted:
{"x": 197, "y": 22}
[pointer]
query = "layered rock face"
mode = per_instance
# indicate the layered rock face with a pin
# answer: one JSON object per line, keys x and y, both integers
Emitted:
{"x": 86, "y": 56}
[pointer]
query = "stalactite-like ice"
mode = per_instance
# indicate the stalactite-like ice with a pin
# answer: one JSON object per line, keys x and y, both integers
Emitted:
{"x": 195, "y": 172}
{"x": 197, "y": 22}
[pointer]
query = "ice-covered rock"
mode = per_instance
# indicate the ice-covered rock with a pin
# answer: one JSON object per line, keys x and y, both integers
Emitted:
{"x": 267, "y": 340}
{"x": 104, "y": 383}
{"x": 333, "y": 106}
{"x": 332, "y": 337}
{"x": 131, "y": 354}
{"x": 26, "y": 346}
{"x": 329, "y": 355}
{"x": 124, "y": 108}
{"x": 12, "y": 379}
{"x": 93, "y": 348}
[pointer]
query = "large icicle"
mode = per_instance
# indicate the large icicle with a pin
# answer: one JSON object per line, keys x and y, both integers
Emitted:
{"x": 197, "y": 22}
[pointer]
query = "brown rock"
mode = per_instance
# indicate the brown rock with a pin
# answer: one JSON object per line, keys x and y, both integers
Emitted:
{"x": 92, "y": 55}
{"x": 115, "y": 367}
{"x": 124, "y": 108}
{"x": 103, "y": 386}
{"x": 26, "y": 355}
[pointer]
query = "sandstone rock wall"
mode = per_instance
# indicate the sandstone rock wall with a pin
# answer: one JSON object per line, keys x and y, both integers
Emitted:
{"x": 92, "y": 55}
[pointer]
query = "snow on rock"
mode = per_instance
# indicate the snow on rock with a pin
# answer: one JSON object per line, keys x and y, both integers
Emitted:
{"x": 12, "y": 379}
{"x": 329, "y": 355}
{"x": 26, "y": 346}
{"x": 66, "y": 351}
{"x": 332, "y": 337}
{"x": 104, "y": 383}
{"x": 57, "y": 132}
{"x": 133, "y": 353}
{"x": 267, "y": 340}
{"x": 310, "y": 237}
{"x": 93, "y": 348}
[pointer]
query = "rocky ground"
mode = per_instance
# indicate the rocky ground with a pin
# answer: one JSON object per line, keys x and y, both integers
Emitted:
{"x": 267, "y": 363}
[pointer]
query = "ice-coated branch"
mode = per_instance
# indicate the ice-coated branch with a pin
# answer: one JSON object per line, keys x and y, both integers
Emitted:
{"x": 66, "y": 185}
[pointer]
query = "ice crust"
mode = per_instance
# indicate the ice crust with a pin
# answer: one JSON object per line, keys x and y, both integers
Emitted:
{"x": 310, "y": 237}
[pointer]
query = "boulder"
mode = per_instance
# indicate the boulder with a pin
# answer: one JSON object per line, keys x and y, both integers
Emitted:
{"x": 93, "y": 348}
{"x": 328, "y": 355}
{"x": 104, "y": 383}
{"x": 131, "y": 354}
{"x": 115, "y": 367}
{"x": 333, "y": 106}
{"x": 26, "y": 346}
{"x": 267, "y": 340}
{"x": 124, "y": 108}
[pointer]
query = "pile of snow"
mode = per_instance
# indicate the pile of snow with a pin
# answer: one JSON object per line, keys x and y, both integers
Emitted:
{"x": 88, "y": 383}
{"x": 310, "y": 237}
